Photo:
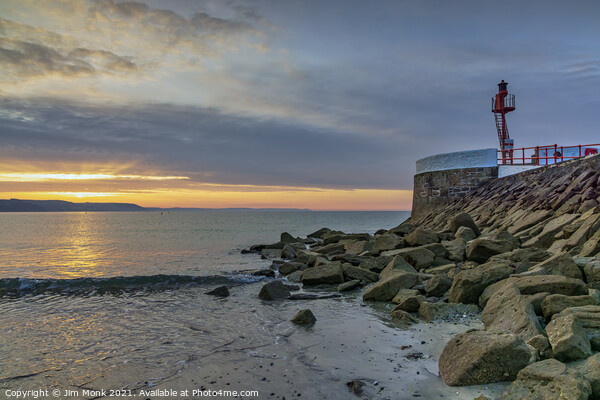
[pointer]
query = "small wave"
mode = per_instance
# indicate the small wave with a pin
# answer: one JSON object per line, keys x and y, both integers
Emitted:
{"x": 23, "y": 286}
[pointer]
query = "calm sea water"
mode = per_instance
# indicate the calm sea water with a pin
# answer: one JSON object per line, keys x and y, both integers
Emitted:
{"x": 72, "y": 319}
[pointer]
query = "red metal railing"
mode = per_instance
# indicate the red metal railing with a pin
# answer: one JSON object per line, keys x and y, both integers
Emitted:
{"x": 544, "y": 155}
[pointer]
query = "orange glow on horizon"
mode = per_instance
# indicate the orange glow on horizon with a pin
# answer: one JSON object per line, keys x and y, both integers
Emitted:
{"x": 315, "y": 199}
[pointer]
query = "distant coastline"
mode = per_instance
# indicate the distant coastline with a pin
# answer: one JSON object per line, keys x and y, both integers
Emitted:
{"x": 17, "y": 205}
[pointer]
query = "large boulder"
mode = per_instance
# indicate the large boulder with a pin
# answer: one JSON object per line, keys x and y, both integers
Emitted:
{"x": 288, "y": 252}
{"x": 446, "y": 311}
{"x": 464, "y": 219}
{"x": 589, "y": 319}
{"x": 359, "y": 247}
{"x": 438, "y": 285}
{"x": 478, "y": 358}
{"x": 351, "y": 272}
{"x": 408, "y": 300}
{"x": 455, "y": 249}
{"x": 398, "y": 264}
{"x": 387, "y": 288}
{"x": 560, "y": 264}
{"x": 555, "y": 303}
{"x": 537, "y": 284}
{"x": 304, "y": 317}
{"x": 420, "y": 237}
{"x": 418, "y": 257}
{"x": 469, "y": 284}
{"x": 545, "y": 238}
{"x": 508, "y": 311}
{"x": 386, "y": 242}
{"x": 289, "y": 267}
{"x": 331, "y": 273}
{"x": 350, "y": 285}
{"x": 548, "y": 380}
{"x": 275, "y": 290}
{"x": 592, "y": 271}
{"x": 402, "y": 318}
{"x": 532, "y": 254}
{"x": 465, "y": 234}
{"x": 287, "y": 238}
{"x": 376, "y": 264}
{"x": 568, "y": 339}
{"x": 267, "y": 254}
{"x": 320, "y": 234}
{"x": 331, "y": 249}
{"x": 481, "y": 249}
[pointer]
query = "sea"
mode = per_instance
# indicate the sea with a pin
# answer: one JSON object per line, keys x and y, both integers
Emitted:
{"x": 114, "y": 305}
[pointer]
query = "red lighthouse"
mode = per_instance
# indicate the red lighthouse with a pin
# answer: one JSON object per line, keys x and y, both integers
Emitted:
{"x": 503, "y": 103}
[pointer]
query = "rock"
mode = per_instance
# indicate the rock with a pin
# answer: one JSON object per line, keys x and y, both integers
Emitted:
{"x": 331, "y": 273}
{"x": 408, "y": 300}
{"x": 346, "y": 286}
{"x": 481, "y": 249}
{"x": 403, "y": 229}
{"x": 568, "y": 340}
{"x": 561, "y": 264}
{"x": 469, "y": 284}
{"x": 398, "y": 264}
{"x": 508, "y": 311}
{"x": 386, "y": 289}
{"x": 295, "y": 276}
{"x": 403, "y": 318}
{"x": 592, "y": 271}
{"x": 555, "y": 303}
{"x": 536, "y": 300}
{"x": 590, "y": 370}
{"x": 446, "y": 311}
{"x": 442, "y": 269}
{"x": 418, "y": 257}
{"x": 592, "y": 246}
{"x": 350, "y": 258}
{"x": 270, "y": 253}
{"x": 288, "y": 252}
{"x": 291, "y": 266}
{"x": 464, "y": 219}
{"x": 387, "y": 242}
{"x": 590, "y": 226}
{"x": 261, "y": 272}
{"x": 589, "y": 319}
{"x": 545, "y": 238}
{"x": 547, "y": 380}
{"x": 531, "y": 219}
{"x": 478, "y": 358}
{"x": 455, "y": 249}
{"x": 351, "y": 272}
{"x": 320, "y": 234}
{"x": 287, "y": 238}
{"x": 539, "y": 283}
{"x": 333, "y": 248}
{"x": 376, "y": 264}
{"x": 304, "y": 317}
{"x": 220, "y": 291}
{"x": 438, "y": 285}
{"x": 420, "y": 237}
{"x": 465, "y": 234}
{"x": 532, "y": 254}
{"x": 542, "y": 345}
{"x": 359, "y": 247}
{"x": 275, "y": 290}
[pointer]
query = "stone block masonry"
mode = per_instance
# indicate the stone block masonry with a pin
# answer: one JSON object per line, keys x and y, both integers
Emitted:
{"x": 436, "y": 189}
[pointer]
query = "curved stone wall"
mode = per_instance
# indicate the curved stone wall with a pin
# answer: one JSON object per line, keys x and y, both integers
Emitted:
{"x": 482, "y": 158}
{"x": 443, "y": 178}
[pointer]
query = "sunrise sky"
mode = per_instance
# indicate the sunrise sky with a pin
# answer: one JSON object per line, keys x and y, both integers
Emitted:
{"x": 308, "y": 104}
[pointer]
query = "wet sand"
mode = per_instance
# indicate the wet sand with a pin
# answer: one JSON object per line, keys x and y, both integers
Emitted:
{"x": 350, "y": 341}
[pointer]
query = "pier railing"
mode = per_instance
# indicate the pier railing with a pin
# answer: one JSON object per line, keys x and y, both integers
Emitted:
{"x": 545, "y": 155}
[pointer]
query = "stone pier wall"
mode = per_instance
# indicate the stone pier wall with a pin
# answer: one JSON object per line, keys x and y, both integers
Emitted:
{"x": 436, "y": 189}
{"x": 442, "y": 178}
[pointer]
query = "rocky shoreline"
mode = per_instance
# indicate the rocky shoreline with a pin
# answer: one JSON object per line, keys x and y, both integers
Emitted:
{"x": 522, "y": 252}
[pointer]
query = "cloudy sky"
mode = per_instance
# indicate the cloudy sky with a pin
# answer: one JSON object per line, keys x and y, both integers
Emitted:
{"x": 316, "y": 104}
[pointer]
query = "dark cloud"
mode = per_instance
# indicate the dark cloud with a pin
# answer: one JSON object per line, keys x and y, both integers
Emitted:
{"x": 204, "y": 144}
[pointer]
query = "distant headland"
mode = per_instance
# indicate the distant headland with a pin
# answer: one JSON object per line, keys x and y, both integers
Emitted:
{"x": 17, "y": 205}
